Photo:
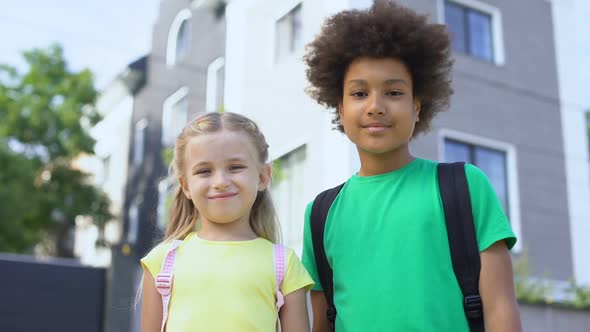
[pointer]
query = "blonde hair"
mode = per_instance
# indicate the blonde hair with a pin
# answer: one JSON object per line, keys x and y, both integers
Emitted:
{"x": 183, "y": 216}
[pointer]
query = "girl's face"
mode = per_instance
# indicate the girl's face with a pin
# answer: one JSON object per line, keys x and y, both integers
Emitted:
{"x": 223, "y": 176}
{"x": 378, "y": 110}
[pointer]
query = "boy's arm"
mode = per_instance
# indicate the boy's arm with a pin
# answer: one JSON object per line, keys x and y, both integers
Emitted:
{"x": 496, "y": 285}
{"x": 293, "y": 314}
{"x": 151, "y": 309}
{"x": 320, "y": 307}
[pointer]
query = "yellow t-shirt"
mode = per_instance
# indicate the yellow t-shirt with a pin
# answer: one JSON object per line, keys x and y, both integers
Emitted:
{"x": 225, "y": 285}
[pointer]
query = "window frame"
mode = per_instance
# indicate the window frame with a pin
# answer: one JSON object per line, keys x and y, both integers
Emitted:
{"x": 289, "y": 227}
{"x": 165, "y": 192}
{"x": 511, "y": 171}
{"x": 212, "y": 92}
{"x": 168, "y": 107}
{"x": 139, "y": 147}
{"x": 497, "y": 38}
{"x": 133, "y": 215}
{"x": 284, "y": 13}
{"x": 172, "y": 57}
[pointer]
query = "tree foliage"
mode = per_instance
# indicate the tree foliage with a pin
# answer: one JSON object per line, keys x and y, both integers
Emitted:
{"x": 46, "y": 113}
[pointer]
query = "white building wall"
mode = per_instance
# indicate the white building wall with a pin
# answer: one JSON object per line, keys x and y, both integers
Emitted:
{"x": 115, "y": 104}
{"x": 271, "y": 91}
{"x": 112, "y": 141}
{"x": 572, "y": 39}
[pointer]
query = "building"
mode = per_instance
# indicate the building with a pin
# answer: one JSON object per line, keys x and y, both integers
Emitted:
{"x": 517, "y": 113}
{"x": 109, "y": 164}
{"x": 511, "y": 115}
{"x": 185, "y": 77}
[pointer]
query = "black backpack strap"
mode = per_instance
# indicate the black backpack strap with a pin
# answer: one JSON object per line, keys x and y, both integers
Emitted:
{"x": 319, "y": 213}
{"x": 456, "y": 200}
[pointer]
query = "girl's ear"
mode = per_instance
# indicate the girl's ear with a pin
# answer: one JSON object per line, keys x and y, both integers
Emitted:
{"x": 340, "y": 109}
{"x": 265, "y": 175}
{"x": 184, "y": 187}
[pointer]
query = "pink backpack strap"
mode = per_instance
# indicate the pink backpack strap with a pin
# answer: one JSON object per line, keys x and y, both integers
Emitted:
{"x": 279, "y": 261}
{"x": 164, "y": 280}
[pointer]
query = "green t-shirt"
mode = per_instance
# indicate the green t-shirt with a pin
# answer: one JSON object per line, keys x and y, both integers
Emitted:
{"x": 386, "y": 241}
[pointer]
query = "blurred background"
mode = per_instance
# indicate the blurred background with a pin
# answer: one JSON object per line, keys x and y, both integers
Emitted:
{"x": 92, "y": 95}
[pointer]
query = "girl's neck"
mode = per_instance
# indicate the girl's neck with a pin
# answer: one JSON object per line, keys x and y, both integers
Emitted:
{"x": 375, "y": 164}
{"x": 235, "y": 231}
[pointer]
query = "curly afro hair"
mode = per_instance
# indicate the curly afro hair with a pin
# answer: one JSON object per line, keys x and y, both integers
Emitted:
{"x": 386, "y": 30}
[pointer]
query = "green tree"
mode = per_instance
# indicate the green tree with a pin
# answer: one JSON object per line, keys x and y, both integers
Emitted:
{"x": 46, "y": 112}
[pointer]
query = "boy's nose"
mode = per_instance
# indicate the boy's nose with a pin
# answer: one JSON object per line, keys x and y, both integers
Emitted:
{"x": 375, "y": 105}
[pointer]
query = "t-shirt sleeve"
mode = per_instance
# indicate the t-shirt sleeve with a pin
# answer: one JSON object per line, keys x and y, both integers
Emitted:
{"x": 296, "y": 277}
{"x": 308, "y": 257}
{"x": 491, "y": 223}
{"x": 152, "y": 262}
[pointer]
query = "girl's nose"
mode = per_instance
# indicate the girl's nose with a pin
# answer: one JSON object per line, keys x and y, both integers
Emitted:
{"x": 220, "y": 180}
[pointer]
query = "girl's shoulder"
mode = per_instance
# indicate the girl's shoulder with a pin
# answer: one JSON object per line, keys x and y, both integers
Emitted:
{"x": 288, "y": 251}
{"x": 152, "y": 261}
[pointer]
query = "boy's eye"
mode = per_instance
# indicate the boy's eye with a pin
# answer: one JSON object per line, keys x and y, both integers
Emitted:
{"x": 236, "y": 167}
{"x": 358, "y": 94}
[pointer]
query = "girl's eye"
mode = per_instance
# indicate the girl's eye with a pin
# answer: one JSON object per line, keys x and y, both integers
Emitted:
{"x": 203, "y": 171}
{"x": 359, "y": 94}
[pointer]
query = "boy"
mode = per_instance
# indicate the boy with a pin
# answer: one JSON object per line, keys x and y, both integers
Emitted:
{"x": 385, "y": 72}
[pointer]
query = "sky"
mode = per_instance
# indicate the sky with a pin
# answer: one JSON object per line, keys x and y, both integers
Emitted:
{"x": 102, "y": 35}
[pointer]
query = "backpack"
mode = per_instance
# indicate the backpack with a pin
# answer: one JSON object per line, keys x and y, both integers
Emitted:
{"x": 456, "y": 201}
{"x": 164, "y": 279}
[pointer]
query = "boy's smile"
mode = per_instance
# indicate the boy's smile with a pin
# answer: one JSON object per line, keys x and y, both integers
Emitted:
{"x": 376, "y": 127}
{"x": 378, "y": 110}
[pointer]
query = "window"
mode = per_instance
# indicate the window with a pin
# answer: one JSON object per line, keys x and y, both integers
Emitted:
{"x": 165, "y": 197}
{"x": 174, "y": 116}
{"x": 179, "y": 38}
{"x": 588, "y": 129}
{"x": 133, "y": 215}
{"x": 139, "y": 141}
{"x": 491, "y": 161}
{"x": 475, "y": 28}
{"x": 288, "y": 196}
{"x": 288, "y": 33}
{"x": 495, "y": 158}
{"x": 105, "y": 169}
{"x": 215, "y": 82}
{"x": 183, "y": 42}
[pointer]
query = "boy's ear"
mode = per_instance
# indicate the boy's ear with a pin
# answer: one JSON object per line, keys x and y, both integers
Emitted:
{"x": 184, "y": 187}
{"x": 265, "y": 175}
{"x": 417, "y": 108}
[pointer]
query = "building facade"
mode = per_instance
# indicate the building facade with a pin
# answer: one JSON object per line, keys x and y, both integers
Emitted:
{"x": 185, "y": 77}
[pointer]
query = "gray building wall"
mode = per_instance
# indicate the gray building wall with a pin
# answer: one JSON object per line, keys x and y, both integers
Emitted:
{"x": 207, "y": 44}
{"x": 545, "y": 318}
{"x": 517, "y": 103}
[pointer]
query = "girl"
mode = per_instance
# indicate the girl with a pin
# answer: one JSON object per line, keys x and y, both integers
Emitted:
{"x": 223, "y": 273}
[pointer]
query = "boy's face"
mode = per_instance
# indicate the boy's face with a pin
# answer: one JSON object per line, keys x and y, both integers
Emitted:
{"x": 378, "y": 110}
